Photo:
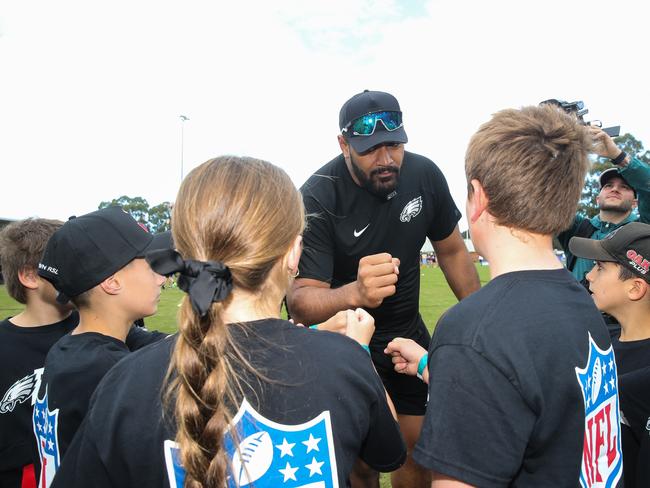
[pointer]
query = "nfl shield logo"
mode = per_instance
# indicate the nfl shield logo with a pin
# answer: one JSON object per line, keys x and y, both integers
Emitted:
{"x": 45, "y": 425}
{"x": 601, "y": 456}
{"x": 271, "y": 455}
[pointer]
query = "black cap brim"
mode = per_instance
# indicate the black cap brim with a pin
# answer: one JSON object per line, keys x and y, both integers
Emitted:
{"x": 362, "y": 144}
{"x": 162, "y": 240}
{"x": 584, "y": 247}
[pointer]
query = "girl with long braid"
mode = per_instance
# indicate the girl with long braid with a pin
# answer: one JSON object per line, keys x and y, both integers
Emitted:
{"x": 239, "y": 397}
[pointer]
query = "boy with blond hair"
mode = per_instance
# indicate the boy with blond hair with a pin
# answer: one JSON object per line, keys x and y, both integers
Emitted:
{"x": 620, "y": 286}
{"x": 521, "y": 374}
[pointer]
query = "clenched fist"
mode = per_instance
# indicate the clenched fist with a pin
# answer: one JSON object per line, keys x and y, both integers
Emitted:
{"x": 376, "y": 279}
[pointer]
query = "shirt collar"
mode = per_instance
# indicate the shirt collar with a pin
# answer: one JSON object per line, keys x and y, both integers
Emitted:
{"x": 608, "y": 226}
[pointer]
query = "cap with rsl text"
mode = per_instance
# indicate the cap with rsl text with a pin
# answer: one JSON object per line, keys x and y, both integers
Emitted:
{"x": 88, "y": 249}
{"x": 628, "y": 246}
{"x": 365, "y": 103}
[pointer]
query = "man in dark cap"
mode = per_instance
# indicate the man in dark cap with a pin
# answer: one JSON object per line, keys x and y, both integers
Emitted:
{"x": 623, "y": 188}
{"x": 371, "y": 209}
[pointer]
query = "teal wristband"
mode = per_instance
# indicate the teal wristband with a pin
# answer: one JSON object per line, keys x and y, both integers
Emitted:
{"x": 315, "y": 326}
{"x": 422, "y": 364}
{"x": 366, "y": 348}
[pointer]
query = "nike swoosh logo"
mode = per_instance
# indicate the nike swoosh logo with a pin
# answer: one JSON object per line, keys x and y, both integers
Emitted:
{"x": 357, "y": 234}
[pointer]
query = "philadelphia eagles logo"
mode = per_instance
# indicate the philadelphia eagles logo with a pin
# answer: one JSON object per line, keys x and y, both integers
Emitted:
{"x": 411, "y": 209}
{"x": 20, "y": 391}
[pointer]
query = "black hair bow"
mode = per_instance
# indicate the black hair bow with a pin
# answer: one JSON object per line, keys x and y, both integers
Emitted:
{"x": 204, "y": 281}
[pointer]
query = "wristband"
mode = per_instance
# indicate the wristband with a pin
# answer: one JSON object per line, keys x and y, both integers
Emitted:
{"x": 619, "y": 159}
{"x": 422, "y": 364}
{"x": 366, "y": 348}
{"x": 315, "y": 326}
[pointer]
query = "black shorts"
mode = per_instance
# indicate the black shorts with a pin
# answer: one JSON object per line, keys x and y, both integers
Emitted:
{"x": 409, "y": 393}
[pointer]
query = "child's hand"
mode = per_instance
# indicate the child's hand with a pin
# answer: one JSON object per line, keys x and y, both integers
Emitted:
{"x": 406, "y": 355}
{"x": 360, "y": 326}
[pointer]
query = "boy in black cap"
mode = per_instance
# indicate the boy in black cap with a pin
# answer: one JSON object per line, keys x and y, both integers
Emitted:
{"x": 620, "y": 286}
{"x": 97, "y": 262}
{"x": 374, "y": 206}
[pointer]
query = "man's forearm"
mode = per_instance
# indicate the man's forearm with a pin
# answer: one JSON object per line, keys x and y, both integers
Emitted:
{"x": 310, "y": 305}
{"x": 637, "y": 174}
{"x": 460, "y": 274}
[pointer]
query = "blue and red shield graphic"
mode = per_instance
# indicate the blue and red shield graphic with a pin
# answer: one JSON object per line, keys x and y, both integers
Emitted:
{"x": 45, "y": 424}
{"x": 602, "y": 461}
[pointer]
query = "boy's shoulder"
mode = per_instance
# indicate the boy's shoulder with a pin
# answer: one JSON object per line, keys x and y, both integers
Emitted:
{"x": 515, "y": 304}
{"x": 18, "y": 343}
{"x": 77, "y": 353}
{"x": 9, "y": 327}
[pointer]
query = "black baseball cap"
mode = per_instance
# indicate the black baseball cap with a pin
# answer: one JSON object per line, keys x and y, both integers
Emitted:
{"x": 365, "y": 103}
{"x": 610, "y": 173}
{"x": 628, "y": 246}
{"x": 88, "y": 249}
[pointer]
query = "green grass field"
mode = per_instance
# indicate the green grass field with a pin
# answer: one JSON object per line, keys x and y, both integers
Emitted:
{"x": 435, "y": 298}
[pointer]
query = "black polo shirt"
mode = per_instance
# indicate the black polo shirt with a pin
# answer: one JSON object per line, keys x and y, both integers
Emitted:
{"x": 347, "y": 222}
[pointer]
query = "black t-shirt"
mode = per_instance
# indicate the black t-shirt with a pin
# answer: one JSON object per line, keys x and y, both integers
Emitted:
{"x": 348, "y": 222}
{"x": 139, "y": 337}
{"x": 522, "y": 385}
{"x": 633, "y": 361}
{"x": 73, "y": 368}
{"x": 323, "y": 407}
{"x": 22, "y": 355}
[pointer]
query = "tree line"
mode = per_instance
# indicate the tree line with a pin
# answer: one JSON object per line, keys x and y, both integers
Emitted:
{"x": 158, "y": 218}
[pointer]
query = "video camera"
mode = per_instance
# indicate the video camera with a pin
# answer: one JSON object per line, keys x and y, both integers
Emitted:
{"x": 578, "y": 109}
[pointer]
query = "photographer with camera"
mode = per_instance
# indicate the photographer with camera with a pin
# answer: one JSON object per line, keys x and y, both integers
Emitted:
{"x": 622, "y": 188}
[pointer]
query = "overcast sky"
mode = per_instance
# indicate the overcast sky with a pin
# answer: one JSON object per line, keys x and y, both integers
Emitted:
{"x": 91, "y": 92}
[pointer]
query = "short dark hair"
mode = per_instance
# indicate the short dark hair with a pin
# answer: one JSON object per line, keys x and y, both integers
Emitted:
{"x": 625, "y": 274}
{"x": 21, "y": 246}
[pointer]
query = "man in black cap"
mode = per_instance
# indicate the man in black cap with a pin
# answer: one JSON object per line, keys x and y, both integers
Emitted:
{"x": 371, "y": 208}
{"x": 622, "y": 188}
{"x": 620, "y": 286}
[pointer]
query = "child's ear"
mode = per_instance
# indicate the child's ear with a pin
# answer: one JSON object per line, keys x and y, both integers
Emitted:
{"x": 28, "y": 278}
{"x": 478, "y": 201}
{"x": 293, "y": 256}
{"x": 639, "y": 288}
{"x": 112, "y": 285}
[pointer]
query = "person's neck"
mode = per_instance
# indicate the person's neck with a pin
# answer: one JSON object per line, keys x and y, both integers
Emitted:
{"x": 613, "y": 217}
{"x": 40, "y": 313}
{"x": 509, "y": 250}
{"x": 246, "y": 307}
{"x": 635, "y": 322}
{"x": 103, "y": 322}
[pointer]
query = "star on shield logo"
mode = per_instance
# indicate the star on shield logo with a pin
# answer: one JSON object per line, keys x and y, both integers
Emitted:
{"x": 271, "y": 455}
{"x": 45, "y": 424}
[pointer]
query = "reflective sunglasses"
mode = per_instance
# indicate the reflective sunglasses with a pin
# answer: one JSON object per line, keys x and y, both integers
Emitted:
{"x": 366, "y": 124}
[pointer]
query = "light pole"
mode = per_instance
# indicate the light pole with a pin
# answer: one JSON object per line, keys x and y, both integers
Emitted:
{"x": 183, "y": 119}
